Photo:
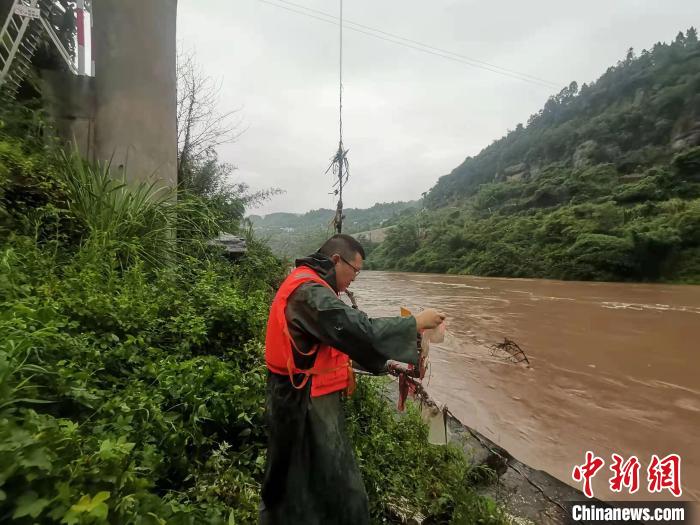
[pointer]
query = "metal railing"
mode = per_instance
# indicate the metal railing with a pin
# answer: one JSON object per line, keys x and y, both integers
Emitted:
{"x": 19, "y": 38}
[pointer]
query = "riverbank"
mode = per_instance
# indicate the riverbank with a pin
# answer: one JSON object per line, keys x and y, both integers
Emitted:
{"x": 528, "y": 495}
{"x": 525, "y": 493}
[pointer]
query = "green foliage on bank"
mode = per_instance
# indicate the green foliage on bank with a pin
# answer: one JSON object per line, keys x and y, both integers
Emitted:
{"x": 602, "y": 184}
{"x": 399, "y": 467}
{"x": 131, "y": 370}
{"x": 132, "y": 375}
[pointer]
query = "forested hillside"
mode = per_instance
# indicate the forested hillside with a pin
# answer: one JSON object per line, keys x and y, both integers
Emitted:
{"x": 294, "y": 235}
{"x": 602, "y": 183}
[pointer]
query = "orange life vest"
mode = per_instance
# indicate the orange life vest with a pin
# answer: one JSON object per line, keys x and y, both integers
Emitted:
{"x": 332, "y": 370}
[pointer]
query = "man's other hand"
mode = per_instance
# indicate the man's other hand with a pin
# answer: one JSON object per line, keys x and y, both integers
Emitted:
{"x": 428, "y": 319}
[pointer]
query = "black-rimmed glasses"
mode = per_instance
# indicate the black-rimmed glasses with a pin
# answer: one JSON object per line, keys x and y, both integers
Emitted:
{"x": 357, "y": 272}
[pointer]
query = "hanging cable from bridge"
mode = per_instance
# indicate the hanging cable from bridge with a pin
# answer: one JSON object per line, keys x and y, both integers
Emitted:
{"x": 339, "y": 167}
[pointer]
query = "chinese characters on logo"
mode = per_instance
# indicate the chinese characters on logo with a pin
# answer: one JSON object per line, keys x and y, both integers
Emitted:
{"x": 665, "y": 474}
{"x": 586, "y": 472}
{"x": 662, "y": 473}
{"x": 624, "y": 474}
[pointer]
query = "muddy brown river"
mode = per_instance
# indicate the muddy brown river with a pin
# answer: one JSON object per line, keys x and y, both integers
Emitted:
{"x": 614, "y": 367}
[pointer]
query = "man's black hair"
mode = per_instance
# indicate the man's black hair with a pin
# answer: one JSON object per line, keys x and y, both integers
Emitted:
{"x": 344, "y": 245}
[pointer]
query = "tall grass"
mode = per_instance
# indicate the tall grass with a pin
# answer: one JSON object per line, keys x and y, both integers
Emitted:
{"x": 145, "y": 221}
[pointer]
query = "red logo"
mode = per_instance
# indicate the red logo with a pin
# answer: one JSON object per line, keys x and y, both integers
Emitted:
{"x": 662, "y": 474}
{"x": 665, "y": 474}
{"x": 624, "y": 474}
{"x": 586, "y": 471}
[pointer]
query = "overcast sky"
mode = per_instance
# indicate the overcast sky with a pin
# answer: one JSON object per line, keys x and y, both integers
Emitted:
{"x": 409, "y": 117}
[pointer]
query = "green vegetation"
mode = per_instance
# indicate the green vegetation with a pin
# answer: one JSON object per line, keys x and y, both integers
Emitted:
{"x": 602, "y": 184}
{"x": 131, "y": 375}
{"x": 293, "y": 235}
{"x": 131, "y": 360}
{"x": 399, "y": 467}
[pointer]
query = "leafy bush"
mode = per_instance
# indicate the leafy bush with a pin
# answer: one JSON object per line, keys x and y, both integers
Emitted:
{"x": 688, "y": 163}
{"x": 125, "y": 382}
{"x": 398, "y": 466}
{"x": 131, "y": 371}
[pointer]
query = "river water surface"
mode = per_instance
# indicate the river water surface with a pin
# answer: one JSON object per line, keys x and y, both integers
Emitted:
{"x": 614, "y": 367}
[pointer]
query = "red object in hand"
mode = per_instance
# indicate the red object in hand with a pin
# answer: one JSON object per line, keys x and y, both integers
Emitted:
{"x": 403, "y": 392}
{"x": 406, "y": 388}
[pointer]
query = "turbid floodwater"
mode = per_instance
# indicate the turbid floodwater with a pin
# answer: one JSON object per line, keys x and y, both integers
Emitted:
{"x": 615, "y": 368}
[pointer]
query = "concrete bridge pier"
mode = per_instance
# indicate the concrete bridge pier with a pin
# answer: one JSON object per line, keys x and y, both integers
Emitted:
{"x": 135, "y": 104}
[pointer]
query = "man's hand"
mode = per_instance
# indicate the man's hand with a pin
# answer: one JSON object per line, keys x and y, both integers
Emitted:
{"x": 428, "y": 319}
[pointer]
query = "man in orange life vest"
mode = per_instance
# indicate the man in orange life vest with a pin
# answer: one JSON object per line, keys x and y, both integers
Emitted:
{"x": 311, "y": 476}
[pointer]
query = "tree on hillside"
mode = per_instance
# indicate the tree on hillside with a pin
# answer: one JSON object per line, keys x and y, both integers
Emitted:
{"x": 691, "y": 36}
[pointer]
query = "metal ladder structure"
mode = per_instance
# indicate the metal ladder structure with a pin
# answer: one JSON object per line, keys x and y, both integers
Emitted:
{"x": 19, "y": 38}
